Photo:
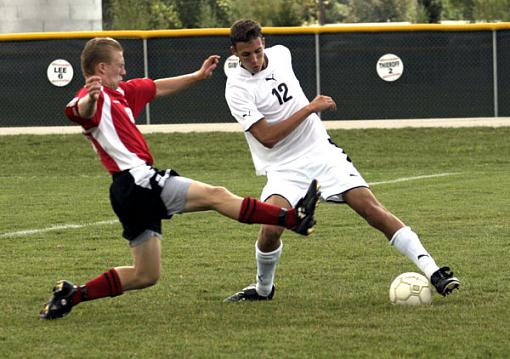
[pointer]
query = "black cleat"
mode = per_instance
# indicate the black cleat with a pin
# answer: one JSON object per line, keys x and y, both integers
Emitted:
{"x": 60, "y": 303}
{"x": 249, "y": 293}
{"x": 444, "y": 281}
{"x": 305, "y": 209}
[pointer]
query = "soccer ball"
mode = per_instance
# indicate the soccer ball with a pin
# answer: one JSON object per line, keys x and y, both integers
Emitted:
{"x": 410, "y": 289}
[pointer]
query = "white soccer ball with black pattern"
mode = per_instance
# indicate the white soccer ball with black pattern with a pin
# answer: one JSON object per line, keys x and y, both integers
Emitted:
{"x": 411, "y": 289}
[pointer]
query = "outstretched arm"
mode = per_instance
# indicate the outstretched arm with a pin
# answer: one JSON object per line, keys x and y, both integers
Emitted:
{"x": 270, "y": 134}
{"x": 170, "y": 85}
{"x": 87, "y": 105}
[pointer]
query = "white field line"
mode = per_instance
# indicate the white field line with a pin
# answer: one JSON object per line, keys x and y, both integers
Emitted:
{"x": 404, "y": 179}
{"x": 62, "y": 227}
{"x": 59, "y": 177}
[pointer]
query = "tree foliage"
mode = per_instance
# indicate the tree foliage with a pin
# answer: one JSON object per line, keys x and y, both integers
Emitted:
{"x": 143, "y": 15}
{"x": 269, "y": 13}
{"x": 432, "y": 9}
{"x": 381, "y": 11}
{"x": 171, "y": 14}
{"x": 492, "y": 10}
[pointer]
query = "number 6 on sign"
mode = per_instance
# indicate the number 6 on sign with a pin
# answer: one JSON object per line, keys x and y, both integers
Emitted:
{"x": 60, "y": 73}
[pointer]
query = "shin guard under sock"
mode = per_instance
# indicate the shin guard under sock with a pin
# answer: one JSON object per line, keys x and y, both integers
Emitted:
{"x": 254, "y": 211}
{"x": 105, "y": 285}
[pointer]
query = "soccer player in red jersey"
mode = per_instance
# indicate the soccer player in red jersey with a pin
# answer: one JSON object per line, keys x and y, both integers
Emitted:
{"x": 140, "y": 194}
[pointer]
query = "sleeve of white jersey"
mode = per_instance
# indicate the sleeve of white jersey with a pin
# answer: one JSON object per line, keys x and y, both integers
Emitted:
{"x": 242, "y": 105}
{"x": 285, "y": 52}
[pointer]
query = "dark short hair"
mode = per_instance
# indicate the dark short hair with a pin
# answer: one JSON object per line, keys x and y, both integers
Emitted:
{"x": 244, "y": 30}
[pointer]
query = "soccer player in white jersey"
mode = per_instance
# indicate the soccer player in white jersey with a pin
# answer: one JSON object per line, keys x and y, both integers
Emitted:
{"x": 140, "y": 194}
{"x": 290, "y": 145}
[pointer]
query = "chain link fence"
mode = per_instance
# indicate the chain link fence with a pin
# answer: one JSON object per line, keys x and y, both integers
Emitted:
{"x": 446, "y": 72}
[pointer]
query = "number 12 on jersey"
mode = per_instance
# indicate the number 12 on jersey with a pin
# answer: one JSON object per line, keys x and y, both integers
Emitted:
{"x": 282, "y": 93}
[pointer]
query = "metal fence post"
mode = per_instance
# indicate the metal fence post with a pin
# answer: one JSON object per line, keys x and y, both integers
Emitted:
{"x": 495, "y": 71}
{"x": 146, "y": 74}
{"x": 317, "y": 66}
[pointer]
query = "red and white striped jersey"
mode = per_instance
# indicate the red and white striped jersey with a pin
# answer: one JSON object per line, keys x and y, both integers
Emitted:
{"x": 112, "y": 130}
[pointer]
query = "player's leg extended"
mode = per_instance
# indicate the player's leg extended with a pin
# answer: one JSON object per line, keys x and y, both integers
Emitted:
{"x": 403, "y": 238}
{"x": 144, "y": 272}
{"x": 201, "y": 197}
{"x": 146, "y": 268}
{"x": 363, "y": 201}
{"x": 268, "y": 250}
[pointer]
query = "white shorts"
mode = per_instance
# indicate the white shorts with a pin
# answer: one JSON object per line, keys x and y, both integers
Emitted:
{"x": 329, "y": 165}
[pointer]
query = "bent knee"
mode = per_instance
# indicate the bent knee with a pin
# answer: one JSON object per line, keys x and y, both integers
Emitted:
{"x": 219, "y": 191}
{"x": 147, "y": 279}
{"x": 217, "y": 194}
{"x": 271, "y": 233}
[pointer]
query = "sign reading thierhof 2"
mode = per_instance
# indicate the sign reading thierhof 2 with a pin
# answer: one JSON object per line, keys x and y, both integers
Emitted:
{"x": 60, "y": 72}
{"x": 390, "y": 67}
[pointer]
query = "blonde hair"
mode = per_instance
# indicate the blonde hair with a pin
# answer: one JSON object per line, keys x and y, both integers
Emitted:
{"x": 97, "y": 50}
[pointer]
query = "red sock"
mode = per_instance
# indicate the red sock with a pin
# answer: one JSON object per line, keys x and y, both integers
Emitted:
{"x": 254, "y": 211}
{"x": 105, "y": 285}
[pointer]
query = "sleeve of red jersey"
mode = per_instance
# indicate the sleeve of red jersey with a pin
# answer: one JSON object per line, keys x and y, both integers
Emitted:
{"x": 139, "y": 92}
{"x": 71, "y": 111}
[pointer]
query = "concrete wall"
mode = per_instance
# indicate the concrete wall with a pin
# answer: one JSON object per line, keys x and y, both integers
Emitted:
{"x": 50, "y": 15}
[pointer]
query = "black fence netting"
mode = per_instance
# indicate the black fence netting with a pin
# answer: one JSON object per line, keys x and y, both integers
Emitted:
{"x": 445, "y": 74}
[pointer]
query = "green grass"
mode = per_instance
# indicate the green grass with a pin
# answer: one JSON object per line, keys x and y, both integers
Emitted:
{"x": 332, "y": 288}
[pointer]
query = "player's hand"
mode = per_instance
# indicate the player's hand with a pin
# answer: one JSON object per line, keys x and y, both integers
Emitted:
{"x": 93, "y": 86}
{"x": 208, "y": 67}
{"x": 323, "y": 103}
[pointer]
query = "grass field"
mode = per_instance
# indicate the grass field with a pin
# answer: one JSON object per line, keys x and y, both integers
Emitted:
{"x": 332, "y": 287}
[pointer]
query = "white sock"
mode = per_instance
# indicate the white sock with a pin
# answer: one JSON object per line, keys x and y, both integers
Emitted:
{"x": 266, "y": 266}
{"x": 408, "y": 243}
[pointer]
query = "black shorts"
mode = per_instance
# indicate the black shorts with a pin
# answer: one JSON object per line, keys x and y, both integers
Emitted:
{"x": 138, "y": 208}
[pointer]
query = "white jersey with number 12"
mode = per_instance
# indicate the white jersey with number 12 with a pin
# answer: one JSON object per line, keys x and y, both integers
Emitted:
{"x": 274, "y": 94}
